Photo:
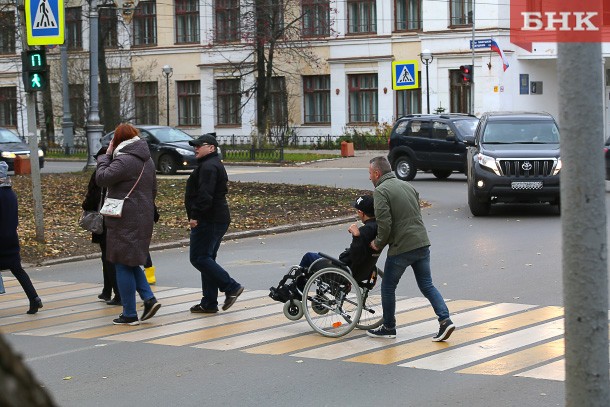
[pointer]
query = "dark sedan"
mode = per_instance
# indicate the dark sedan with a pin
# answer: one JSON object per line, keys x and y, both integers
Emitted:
{"x": 169, "y": 148}
{"x": 12, "y": 146}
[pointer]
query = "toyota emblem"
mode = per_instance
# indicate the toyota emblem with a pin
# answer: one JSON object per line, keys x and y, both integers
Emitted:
{"x": 526, "y": 166}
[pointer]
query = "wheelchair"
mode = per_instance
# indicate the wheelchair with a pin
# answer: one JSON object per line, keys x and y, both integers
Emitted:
{"x": 332, "y": 300}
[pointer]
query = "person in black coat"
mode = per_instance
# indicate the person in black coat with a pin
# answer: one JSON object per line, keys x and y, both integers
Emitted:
{"x": 208, "y": 214}
{"x": 95, "y": 195}
{"x": 359, "y": 256}
{"x": 10, "y": 257}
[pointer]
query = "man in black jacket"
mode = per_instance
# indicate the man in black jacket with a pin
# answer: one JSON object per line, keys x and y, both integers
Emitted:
{"x": 208, "y": 214}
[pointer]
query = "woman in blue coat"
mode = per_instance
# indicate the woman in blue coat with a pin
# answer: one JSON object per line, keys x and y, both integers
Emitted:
{"x": 9, "y": 248}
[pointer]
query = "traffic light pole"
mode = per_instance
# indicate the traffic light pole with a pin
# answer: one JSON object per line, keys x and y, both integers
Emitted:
{"x": 33, "y": 143}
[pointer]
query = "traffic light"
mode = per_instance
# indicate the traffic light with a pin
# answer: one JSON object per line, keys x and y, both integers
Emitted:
{"x": 467, "y": 74}
{"x": 35, "y": 71}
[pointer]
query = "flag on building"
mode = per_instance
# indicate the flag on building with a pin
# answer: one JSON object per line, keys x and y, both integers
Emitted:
{"x": 496, "y": 47}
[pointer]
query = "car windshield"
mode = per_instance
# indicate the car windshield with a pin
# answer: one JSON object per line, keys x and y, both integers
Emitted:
{"x": 466, "y": 127}
{"x": 169, "y": 135}
{"x": 521, "y": 132}
{"x": 7, "y": 136}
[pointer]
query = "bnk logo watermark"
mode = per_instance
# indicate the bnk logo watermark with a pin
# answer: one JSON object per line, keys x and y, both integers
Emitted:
{"x": 558, "y": 21}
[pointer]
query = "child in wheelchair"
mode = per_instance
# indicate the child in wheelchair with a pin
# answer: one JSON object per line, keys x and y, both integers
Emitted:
{"x": 359, "y": 256}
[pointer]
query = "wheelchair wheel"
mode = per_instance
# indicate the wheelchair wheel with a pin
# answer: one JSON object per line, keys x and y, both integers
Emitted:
{"x": 332, "y": 302}
{"x": 372, "y": 312}
{"x": 293, "y": 310}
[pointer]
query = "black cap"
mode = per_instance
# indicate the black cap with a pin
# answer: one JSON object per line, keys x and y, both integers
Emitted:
{"x": 366, "y": 204}
{"x": 209, "y": 138}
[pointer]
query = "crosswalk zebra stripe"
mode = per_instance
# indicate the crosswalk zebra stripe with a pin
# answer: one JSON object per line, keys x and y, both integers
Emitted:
{"x": 295, "y": 329}
{"x": 454, "y": 358}
{"x": 517, "y": 361}
{"x": 427, "y": 328}
{"x": 467, "y": 331}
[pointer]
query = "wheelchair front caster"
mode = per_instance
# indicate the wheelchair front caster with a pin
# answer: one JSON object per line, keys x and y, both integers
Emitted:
{"x": 293, "y": 310}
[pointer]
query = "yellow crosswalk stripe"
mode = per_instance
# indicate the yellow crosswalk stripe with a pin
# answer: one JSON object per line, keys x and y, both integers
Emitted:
{"x": 491, "y": 338}
{"x": 520, "y": 360}
{"x": 462, "y": 335}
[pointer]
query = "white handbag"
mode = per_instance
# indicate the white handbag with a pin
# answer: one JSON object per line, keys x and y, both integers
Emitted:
{"x": 113, "y": 207}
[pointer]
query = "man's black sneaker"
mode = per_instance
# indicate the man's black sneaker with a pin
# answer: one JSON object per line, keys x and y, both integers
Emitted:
{"x": 104, "y": 297}
{"x": 151, "y": 306}
{"x": 123, "y": 320}
{"x": 198, "y": 309}
{"x": 382, "y": 332}
{"x": 444, "y": 331}
{"x": 231, "y": 298}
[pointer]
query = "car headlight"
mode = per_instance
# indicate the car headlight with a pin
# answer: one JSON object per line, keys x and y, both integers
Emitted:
{"x": 557, "y": 167}
{"x": 488, "y": 162}
{"x": 182, "y": 151}
{"x": 40, "y": 153}
{"x": 8, "y": 154}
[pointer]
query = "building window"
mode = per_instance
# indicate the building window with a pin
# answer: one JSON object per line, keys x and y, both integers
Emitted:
{"x": 227, "y": 20}
{"x": 408, "y": 15}
{"x": 316, "y": 95}
{"x": 74, "y": 31}
{"x": 362, "y": 98}
{"x": 461, "y": 12}
{"x": 145, "y": 23}
{"x": 409, "y": 101}
{"x": 7, "y": 36}
{"x": 229, "y": 101}
{"x": 361, "y": 16}
{"x": 147, "y": 102}
{"x": 189, "y": 111}
{"x": 8, "y": 106}
{"x": 108, "y": 27}
{"x": 77, "y": 104}
{"x": 278, "y": 106}
{"x": 316, "y": 18}
{"x": 187, "y": 21}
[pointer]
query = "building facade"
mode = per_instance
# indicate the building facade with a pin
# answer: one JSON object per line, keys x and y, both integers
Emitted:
{"x": 343, "y": 81}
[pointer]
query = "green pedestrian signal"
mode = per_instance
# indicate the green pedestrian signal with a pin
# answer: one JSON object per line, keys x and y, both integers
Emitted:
{"x": 35, "y": 71}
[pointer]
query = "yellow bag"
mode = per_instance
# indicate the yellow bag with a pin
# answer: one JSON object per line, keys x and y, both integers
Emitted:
{"x": 150, "y": 274}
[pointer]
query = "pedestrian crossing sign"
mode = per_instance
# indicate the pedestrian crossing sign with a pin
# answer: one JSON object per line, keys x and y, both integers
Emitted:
{"x": 44, "y": 20}
{"x": 404, "y": 75}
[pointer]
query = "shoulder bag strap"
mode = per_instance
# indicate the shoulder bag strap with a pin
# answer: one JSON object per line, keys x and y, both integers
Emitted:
{"x": 138, "y": 180}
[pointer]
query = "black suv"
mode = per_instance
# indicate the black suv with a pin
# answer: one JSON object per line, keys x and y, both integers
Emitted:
{"x": 430, "y": 143}
{"x": 514, "y": 157}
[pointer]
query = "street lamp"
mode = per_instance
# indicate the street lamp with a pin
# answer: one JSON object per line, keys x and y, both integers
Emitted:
{"x": 167, "y": 71}
{"x": 427, "y": 58}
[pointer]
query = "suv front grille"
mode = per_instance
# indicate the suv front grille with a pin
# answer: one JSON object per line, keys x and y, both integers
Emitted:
{"x": 527, "y": 168}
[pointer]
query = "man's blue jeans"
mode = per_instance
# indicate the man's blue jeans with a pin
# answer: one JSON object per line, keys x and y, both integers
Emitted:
{"x": 395, "y": 266}
{"x": 131, "y": 279}
{"x": 205, "y": 241}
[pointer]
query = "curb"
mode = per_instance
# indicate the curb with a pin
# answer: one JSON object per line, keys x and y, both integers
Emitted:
{"x": 228, "y": 236}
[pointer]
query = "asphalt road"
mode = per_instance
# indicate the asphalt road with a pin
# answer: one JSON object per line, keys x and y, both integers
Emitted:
{"x": 502, "y": 275}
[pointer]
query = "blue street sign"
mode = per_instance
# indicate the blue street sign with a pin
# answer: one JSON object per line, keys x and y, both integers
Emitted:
{"x": 484, "y": 43}
{"x": 44, "y": 20}
{"x": 404, "y": 75}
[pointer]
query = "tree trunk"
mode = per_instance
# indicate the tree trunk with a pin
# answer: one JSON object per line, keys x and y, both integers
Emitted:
{"x": 18, "y": 387}
{"x": 49, "y": 123}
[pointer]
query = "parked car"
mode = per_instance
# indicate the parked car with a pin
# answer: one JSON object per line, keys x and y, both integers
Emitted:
{"x": 514, "y": 157}
{"x": 430, "y": 143}
{"x": 12, "y": 146}
{"x": 169, "y": 147}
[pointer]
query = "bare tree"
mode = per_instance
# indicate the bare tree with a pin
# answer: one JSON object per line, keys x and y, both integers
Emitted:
{"x": 268, "y": 31}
